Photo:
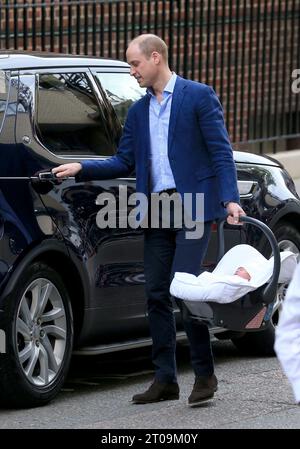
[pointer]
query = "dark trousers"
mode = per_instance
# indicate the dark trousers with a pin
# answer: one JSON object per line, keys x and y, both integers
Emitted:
{"x": 167, "y": 251}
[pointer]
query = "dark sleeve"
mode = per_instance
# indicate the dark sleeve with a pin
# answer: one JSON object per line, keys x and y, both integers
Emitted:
{"x": 217, "y": 141}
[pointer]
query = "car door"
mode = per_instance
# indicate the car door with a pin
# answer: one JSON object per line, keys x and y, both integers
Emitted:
{"x": 19, "y": 203}
{"x": 70, "y": 122}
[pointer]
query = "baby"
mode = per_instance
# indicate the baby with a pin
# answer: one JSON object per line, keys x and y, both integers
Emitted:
{"x": 210, "y": 286}
{"x": 243, "y": 273}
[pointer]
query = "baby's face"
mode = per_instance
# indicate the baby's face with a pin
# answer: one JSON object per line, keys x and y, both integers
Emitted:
{"x": 243, "y": 273}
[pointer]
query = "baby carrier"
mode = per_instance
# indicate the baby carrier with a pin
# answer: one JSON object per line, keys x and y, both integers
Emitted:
{"x": 246, "y": 312}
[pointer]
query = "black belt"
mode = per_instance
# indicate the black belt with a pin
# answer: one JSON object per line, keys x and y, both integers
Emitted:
{"x": 168, "y": 191}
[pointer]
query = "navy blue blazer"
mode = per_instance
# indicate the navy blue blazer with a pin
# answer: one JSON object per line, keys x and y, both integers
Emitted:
{"x": 199, "y": 150}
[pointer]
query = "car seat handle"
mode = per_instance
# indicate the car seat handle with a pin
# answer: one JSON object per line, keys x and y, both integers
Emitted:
{"x": 268, "y": 292}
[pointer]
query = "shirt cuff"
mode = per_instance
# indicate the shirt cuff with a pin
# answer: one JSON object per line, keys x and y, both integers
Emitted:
{"x": 224, "y": 203}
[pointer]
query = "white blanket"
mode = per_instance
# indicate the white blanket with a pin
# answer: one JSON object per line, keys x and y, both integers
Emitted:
{"x": 221, "y": 285}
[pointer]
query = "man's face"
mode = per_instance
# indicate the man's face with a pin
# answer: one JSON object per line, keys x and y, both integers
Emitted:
{"x": 144, "y": 70}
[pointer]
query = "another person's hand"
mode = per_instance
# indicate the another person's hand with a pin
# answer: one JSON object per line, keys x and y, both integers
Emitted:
{"x": 67, "y": 170}
{"x": 234, "y": 211}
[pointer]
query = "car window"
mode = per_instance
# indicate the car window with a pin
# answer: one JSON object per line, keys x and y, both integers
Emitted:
{"x": 4, "y": 83}
{"x": 69, "y": 118}
{"x": 122, "y": 90}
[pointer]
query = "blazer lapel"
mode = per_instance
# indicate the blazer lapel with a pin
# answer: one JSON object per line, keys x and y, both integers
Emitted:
{"x": 144, "y": 129}
{"x": 178, "y": 95}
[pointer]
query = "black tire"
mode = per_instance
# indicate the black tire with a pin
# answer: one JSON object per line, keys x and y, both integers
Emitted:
{"x": 262, "y": 343}
{"x": 46, "y": 350}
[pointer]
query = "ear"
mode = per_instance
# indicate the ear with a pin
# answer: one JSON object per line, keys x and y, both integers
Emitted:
{"x": 156, "y": 57}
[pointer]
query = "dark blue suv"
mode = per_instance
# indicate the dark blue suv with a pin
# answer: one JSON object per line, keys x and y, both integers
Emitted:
{"x": 65, "y": 284}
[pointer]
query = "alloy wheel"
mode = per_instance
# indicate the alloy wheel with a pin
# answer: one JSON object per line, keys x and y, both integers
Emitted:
{"x": 41, "y": 331}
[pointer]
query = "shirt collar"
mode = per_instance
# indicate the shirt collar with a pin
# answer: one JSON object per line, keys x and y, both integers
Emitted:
{"x": 169, "y": 88}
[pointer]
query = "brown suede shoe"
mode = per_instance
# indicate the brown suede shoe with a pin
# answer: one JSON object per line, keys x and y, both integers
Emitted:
{"x": 157, "y": 391}
{"x": 203, "y": 390}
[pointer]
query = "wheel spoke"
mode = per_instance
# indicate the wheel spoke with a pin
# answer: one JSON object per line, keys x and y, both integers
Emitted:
{"x": 25, "y": 312}
{"x": 48, "y": 348}
{"x": 23, "y": 329}
{"x": 56, "y": 331}
{"x": 36, "y": 297}
{"x": 44, "y": 365}
{"x": 54, "y": 314}
{"x": 44, "y": 294}
{"x": 32, "y": 362}
{"x": 27, "y": 352}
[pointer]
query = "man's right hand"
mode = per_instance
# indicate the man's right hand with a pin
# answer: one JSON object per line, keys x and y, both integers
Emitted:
{"x": 234, "y": 211}
{"x": 67, "y": 170}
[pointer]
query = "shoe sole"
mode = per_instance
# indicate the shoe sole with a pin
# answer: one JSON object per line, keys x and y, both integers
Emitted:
{"x": 170, "y": 398}
{"x": 201, "y": 401}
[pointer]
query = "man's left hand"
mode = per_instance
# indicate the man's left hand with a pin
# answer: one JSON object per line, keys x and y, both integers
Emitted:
{"x": 234, "y": 212}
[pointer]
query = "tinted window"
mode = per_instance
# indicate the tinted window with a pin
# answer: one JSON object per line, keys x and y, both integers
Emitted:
{"x": 4, "y": 85}
{"x": 68, "y": 116}
{"x": 122, "y": 91}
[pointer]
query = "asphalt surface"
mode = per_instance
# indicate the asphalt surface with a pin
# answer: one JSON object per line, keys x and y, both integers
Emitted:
{"x": 253, "y": 394}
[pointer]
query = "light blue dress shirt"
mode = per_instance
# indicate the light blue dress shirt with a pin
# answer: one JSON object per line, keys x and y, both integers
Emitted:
{"x": 159, "y": 118}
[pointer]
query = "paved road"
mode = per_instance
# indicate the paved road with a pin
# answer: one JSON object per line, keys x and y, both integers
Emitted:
{"x": 253, "y": 393}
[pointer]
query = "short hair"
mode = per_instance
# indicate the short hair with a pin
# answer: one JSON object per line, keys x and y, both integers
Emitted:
{"x": 148, "y": 43}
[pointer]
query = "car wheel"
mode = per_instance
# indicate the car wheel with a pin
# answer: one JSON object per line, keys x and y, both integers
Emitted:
{"x": 38, "y": 325}
{"x": 262, "y": 342}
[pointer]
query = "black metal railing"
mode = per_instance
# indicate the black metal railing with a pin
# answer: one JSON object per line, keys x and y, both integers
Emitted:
{"x": 246, "y": 49}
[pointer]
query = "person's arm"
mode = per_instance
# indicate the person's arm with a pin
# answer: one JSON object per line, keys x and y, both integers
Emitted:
{"x": 119, "y": 165}
{"x": 287, "y": 341}
{"x": 217, "y": 141}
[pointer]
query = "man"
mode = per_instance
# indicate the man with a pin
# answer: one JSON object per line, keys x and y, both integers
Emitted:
{"x": 176, "y": 140}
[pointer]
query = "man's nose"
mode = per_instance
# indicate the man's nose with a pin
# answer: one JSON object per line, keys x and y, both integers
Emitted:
{"x": 132, "y": 71}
